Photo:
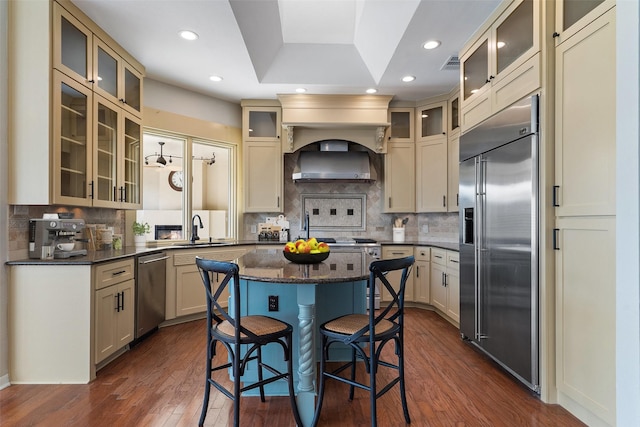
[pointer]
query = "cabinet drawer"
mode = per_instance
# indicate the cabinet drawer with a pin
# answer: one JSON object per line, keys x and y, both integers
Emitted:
{"x": 422, "y": 253}
{"x": 189, "y": 258}
{"x": 113, "y": 272}
{"x": 391, "y": 252}
{"x": 439, "y": 256}
{"x": 453, "y": 261}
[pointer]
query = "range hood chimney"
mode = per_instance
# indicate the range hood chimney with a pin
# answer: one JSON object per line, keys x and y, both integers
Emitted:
{"x": 333, "y": 162}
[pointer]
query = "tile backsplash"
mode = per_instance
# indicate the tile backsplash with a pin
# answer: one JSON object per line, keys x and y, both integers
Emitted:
{"x": 19, "y": 217}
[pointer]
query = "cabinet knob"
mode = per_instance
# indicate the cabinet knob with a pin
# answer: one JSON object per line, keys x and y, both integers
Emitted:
{"x": 555, "y": 34}
{"x": 92, "y": 81}
{"x": 124, "y": 101}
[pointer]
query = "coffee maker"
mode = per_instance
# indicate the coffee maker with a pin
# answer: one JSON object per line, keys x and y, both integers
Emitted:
{"x": 51, "y": 232}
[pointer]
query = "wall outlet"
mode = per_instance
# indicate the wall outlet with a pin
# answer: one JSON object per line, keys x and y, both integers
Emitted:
{"x": 254, "y": 229}
{"x": 273, "y": 303}
{"x": 425, "y": 228}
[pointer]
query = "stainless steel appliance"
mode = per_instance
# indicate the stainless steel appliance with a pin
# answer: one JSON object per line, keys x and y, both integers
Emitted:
{"x": 499, "y": 239}
{"x": 151, "y": 276}
{"x": 50, "y": 232}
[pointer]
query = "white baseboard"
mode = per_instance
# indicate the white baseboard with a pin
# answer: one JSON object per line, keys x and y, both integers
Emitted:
{"x": 4, "y": 381}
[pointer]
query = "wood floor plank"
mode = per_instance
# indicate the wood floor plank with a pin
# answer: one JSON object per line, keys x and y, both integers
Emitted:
{"x": 160, "y": 382}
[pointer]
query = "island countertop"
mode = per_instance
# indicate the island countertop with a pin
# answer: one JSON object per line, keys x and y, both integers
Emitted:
{"x": 270, "y": 265}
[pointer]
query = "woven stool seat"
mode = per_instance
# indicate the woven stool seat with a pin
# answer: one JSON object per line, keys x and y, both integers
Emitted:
{"x": 352, "y": 323}
{"x": 258, "y": 325}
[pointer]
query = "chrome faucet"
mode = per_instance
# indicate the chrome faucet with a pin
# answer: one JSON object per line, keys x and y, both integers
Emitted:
{"x": 194, "y": 228}
{"x": 306, "y": 223}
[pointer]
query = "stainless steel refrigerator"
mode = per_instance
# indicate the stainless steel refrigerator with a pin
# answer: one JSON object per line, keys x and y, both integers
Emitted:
{"x": 499, "y": 239}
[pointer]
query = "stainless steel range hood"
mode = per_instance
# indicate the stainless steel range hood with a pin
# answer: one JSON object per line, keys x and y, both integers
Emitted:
{"x": 333, "y": 162}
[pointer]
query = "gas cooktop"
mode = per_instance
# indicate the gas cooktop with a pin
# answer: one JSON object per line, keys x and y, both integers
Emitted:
{"x": 346, "y": 240}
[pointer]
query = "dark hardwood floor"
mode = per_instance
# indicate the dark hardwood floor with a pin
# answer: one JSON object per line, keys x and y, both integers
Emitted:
{"x": 160, "y": 383}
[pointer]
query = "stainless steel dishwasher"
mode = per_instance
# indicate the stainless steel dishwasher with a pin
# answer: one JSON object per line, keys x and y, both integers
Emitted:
{"x": 151, "y": 274}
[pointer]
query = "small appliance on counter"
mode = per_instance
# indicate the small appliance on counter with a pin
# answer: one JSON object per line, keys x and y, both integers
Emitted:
{"x": 54, "y": 233}
{"x": 275, "y": 229}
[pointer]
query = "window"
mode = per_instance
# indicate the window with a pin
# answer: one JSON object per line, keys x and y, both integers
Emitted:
{"x": 174, "y": 190}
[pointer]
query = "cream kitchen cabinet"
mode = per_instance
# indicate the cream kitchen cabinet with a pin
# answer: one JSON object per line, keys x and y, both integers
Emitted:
{"x": 263, "y": 165}
{"x": 453, "y": 172}
{"x": 261, "y": 123}
{"x": 431, "y": 157}
{"x": 445, "y": 283}
{"x": 584, "y": 199}
{"x": 585, "y": 136}
{"x": 114, "y": 307}
{"x": 585, "y": 316}
{"x": 453, "y": 150}
{"x": 185, "y": 291}
{"x": 56, "y": 45}
{"x": 263, "y": 177}
{"x": 96, "y": 149}
{"x": 81, "y": 54}
{"x": 422, "y": 275}
{"x": 501, "y": 65}
{"x": 402, "y": 125}
{"x": 431, "y": 123}
{"x": 397, "y": 251}
{"x": 572, "y": 16}
{"x": 399, "y": 177}
{"x": 431, "y": 175}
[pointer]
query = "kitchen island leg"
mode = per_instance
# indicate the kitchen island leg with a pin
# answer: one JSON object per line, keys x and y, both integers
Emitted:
{"x": 307, "y": 357}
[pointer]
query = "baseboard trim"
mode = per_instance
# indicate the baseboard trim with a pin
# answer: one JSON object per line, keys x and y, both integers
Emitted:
{"x": 4, "y": 381}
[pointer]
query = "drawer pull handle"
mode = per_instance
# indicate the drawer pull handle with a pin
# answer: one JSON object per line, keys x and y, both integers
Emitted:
{"x": 455, "y": 260}
{"x": 117, "y": 273}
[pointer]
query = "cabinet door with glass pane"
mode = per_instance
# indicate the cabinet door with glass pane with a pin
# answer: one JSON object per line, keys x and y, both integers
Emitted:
{"x": 72, "y": 148}
{"x": 431, "y": 121}
{"x": 573, "y": 15}
{"x": 115, "y": 79}
{"x": 72, "y": 46}
{"x": 261, "y": 124}
{"x": 106, "y": 153}
{"x": 130, "y": 187}
{"x": 401, "y": 129}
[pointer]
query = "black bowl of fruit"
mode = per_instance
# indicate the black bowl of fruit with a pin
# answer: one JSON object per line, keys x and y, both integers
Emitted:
{"x": 306, "y": 251}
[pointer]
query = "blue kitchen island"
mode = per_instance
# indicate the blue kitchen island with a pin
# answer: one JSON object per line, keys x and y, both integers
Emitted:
{"x": 305, "y": 296}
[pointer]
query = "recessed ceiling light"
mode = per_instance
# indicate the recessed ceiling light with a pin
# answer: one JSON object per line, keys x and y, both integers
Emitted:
{"x": 301, "y": 90}
{"x": 372, "y": 90}
{"x": 215, "y": 78}
{"x": 431, "y": 44}
{"x": 408, "y": 78}
{"x": 188, "y": 35}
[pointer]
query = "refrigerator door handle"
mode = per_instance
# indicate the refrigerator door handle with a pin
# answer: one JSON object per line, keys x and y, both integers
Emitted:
{"x": 478, "y": 235}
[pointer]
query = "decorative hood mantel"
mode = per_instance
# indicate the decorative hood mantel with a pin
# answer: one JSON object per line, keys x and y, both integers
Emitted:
{"x": 358, "y": 118}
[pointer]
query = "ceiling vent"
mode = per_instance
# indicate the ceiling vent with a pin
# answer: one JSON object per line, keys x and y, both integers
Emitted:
{"x": 453, "y": 63}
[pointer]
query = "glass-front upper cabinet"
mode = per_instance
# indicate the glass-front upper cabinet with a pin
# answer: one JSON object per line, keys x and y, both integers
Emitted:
{"x": 261, "y": 123}
{"x": 432, "y": 121}
{"x": 401, "y": 129}
{"x": 131, "y": 187}
{"x": 72, "y": 47}
{"x": 573, "y": 15}
{"x": 106, "y": 154}
{"x": 454, "y": 114}
{"x": 509, "y": 42}
{"x": 72, "y": 117}
{"x": 115, "y": 79}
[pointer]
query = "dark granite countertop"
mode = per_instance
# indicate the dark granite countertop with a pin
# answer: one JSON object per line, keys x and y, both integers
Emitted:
{"x": 96, "y": 257}
{"x": 270, "y": 265}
